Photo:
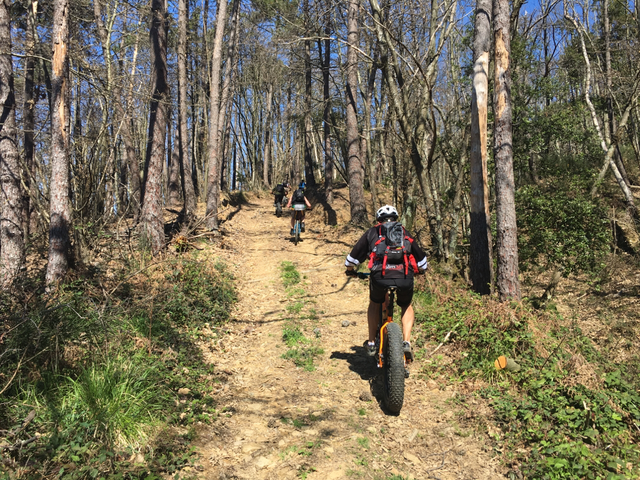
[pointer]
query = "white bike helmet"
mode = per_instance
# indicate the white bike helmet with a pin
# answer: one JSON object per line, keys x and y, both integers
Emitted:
{"x": 386, "y": 212}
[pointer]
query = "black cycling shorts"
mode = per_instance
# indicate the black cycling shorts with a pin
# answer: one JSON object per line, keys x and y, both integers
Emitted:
{"x": 378, "y": 287}
{"x": 279, "y": 197}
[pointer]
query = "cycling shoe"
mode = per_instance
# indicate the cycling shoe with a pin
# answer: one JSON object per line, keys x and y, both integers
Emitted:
{"x": 408, "y": 354}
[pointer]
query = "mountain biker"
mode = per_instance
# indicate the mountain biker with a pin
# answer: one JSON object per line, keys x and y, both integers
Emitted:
{"x": 280, "y": 191}
{"x": 298, "y": 198}
{"x": 381, "y": 278}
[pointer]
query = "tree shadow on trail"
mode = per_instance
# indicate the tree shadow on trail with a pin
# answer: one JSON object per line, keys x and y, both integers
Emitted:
{"x": 366, "y": 367}
{"x": 331, "y": 217}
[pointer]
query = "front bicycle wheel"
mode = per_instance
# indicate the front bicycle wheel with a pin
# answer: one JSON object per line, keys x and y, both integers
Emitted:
{"x": 393, "y": 368}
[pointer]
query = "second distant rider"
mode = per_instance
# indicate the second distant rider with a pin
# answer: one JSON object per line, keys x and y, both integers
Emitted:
{"x": 298, "y": 198}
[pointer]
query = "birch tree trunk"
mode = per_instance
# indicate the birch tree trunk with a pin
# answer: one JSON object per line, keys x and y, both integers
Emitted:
{"x": 480, "y": 261}
{"x": 12, "y": 199}
{"x": 356, "y": 172}
{"x": 152, "y": 214}
{"x": 507, "y": 234}
{"x": 213, "y": 178}
{"x": 60, "y": 205}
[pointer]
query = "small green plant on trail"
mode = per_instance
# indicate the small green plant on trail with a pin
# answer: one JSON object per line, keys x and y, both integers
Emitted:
{"x": 304, "y": 471}
{"x": 363, "y": 442}
{"x": 570, "y": 412}
{"x": 108, "y": 369}
{"x": 306, "y": 450}
{"x": 289, "y": 274}
{"x": 292, "y": 336}
{"x": 302, "y": 350}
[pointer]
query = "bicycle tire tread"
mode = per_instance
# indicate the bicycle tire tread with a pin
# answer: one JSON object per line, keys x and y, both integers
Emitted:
{"x": 394, "y": 369}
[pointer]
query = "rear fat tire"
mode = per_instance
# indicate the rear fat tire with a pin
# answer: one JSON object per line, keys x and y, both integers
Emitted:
{"x": 393, "y": 368}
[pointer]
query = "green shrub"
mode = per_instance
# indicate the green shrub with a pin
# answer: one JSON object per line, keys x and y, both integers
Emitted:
{"x": 560, "y": 225}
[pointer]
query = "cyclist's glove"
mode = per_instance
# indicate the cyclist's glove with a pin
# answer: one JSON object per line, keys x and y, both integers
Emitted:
{"x": 351, "y": 273}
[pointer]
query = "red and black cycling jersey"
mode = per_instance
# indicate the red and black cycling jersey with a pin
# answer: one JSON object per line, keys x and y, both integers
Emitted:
{"x": 362, "y": 251}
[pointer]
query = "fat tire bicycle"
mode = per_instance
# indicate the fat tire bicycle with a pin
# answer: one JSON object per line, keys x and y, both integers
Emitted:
{"x": 390, "y": 356}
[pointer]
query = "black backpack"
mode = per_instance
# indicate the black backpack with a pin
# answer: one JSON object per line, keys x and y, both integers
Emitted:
{"x": 391, "y": 249}
{"x": 298, "y": 196}
{"x": 279, "y": 189}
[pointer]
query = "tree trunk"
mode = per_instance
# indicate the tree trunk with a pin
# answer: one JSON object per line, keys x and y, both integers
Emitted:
{"x": 152, "y": 213}
{"x": 229, "y": 76}
{"x": 213, "y": 179}
{"x": 356, "y": 172}
{"x": 480, "y": 261}
{"x": 186, "y": 169}
{"x": 174, "y": 184}
{"x": 267, "y": 137}
{"x": 507, "y": 235}
{"x": 28, "y": 119}
{"x": 60, "y": 205}
{"x": 13, "y": 213}
{"x": 326, "y": 112}
{"x": 308, "y": 127}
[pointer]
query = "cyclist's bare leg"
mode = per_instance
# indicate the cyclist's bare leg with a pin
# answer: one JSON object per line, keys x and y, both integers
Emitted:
{"x": 373, "y": 317}
{"x": 408, "y": 317}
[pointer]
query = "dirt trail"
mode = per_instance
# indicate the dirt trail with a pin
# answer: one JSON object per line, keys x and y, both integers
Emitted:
{"x": 282, "y": 422}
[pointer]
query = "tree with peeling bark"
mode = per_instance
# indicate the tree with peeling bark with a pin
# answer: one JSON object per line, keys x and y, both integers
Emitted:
{"x": 152, "y": 219}
{"x": 355, "y": 163}
{"x": 507, "y": 279}
{"x": 480, "y": 261}
{"x": 12, "y": 200}
{"x": 59, "y": 202}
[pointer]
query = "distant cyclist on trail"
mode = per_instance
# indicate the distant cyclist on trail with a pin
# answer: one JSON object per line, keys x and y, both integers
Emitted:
{"x": 280, "y": 191}
{"x": 394, "y": 257}
{"x": 298, "y": 198}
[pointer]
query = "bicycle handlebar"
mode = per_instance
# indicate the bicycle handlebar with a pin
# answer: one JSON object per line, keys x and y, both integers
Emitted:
{"x": 363, "y": 275}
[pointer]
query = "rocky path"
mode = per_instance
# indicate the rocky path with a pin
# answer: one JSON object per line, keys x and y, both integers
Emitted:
{"x": 280, "y": 421}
